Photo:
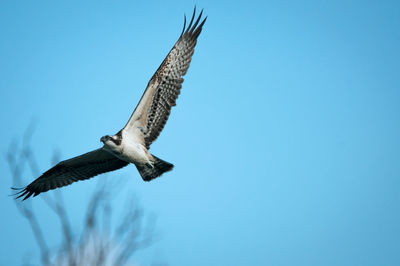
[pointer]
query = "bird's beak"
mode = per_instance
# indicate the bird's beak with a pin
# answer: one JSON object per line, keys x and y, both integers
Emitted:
{"x": 103, "y": 139}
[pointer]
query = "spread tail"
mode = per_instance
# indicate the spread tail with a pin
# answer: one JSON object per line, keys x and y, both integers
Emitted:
{"x": 149, "y": 172}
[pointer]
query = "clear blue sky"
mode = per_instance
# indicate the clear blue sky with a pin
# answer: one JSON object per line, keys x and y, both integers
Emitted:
{"x": 285, "y": 137}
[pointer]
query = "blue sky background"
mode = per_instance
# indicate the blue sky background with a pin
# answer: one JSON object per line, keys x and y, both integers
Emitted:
{"x": 285, "y": 137}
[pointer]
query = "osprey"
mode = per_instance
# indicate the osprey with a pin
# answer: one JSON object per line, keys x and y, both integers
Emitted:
{"x": 131, "y": 144}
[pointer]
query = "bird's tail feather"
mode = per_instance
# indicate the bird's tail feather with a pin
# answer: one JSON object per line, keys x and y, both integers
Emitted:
{"x": 149, "y": 172}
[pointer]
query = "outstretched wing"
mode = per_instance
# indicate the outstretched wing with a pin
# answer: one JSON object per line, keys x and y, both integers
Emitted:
{"x": 78, "y": 168}
{"x": 163, "y": 89}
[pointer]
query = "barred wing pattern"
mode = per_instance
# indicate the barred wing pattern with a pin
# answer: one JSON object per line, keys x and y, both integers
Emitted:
{"x": 78, "y": 168}
{"x": 163, "y": 89}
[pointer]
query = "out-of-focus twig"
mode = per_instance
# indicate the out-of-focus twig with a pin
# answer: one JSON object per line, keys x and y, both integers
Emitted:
{"x": 16, "y": 167}
{"x": 97, "y": 243}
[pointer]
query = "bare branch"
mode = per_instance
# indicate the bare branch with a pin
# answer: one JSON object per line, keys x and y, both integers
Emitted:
{"x": 99, "y": 243}
{"x": 16, "y": 167}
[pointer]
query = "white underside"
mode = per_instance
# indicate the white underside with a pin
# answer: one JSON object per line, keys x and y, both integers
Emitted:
{"x": 131, "y": 150}
{"x": 135, "y": 153}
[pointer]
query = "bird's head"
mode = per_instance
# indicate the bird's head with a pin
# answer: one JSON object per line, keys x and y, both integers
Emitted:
{"x": 112, "y": 143}
{"x": 105, "y": 138}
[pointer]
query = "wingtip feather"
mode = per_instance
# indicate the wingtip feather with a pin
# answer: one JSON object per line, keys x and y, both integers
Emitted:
{"x": 197, "y": 22}
{"x": 194, "y": 29}
{"x": 184, "y": 24}
{"x": 23, "y": 192}
{"x": 191, "y": 20}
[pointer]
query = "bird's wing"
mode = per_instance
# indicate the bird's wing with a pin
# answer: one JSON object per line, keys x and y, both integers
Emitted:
{"x": 153, "y": 110}
{"x": 75, "y": 169}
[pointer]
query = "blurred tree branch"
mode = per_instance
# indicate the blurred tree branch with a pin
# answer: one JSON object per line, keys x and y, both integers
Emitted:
{"x": 98, "y": 243}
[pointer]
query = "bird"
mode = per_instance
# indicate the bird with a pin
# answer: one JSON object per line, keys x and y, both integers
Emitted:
{"x": 132, "y": 143}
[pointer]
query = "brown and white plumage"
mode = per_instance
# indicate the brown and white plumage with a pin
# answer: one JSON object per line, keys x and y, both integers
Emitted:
{"x": 131, "y": 144}
{"x": 164, "y": 87}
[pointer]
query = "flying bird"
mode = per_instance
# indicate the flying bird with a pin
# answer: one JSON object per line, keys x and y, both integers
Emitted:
{"x": 132, "y": 143}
